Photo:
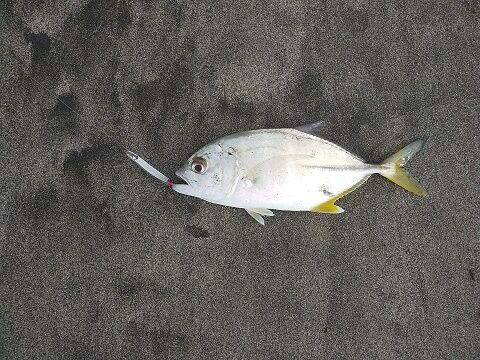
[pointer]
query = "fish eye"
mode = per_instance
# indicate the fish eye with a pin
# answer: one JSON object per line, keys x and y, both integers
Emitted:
{"x": 199, "y": 165}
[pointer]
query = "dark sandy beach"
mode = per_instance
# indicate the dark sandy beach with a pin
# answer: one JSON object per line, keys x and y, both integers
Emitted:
{"x": 98, "y": 260}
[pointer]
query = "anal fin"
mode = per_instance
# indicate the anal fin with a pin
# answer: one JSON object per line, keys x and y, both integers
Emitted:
{"x": 329, "y": 206}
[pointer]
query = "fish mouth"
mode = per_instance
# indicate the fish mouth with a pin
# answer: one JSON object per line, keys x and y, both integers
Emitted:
{"x": 183, "y": 180}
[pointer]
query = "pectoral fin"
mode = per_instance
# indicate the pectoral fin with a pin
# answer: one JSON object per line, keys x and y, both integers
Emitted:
{"x": 275, "y": 162}
{"x": 256, "y": 216}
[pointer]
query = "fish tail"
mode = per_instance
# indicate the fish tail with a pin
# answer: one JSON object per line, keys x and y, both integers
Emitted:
{"x": 396, "y": 173}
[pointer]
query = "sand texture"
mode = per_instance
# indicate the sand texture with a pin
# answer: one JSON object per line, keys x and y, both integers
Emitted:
{"x": 100, "y": 261}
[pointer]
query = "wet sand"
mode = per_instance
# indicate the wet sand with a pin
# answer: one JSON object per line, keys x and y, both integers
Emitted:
{"x": 98, "y": 260}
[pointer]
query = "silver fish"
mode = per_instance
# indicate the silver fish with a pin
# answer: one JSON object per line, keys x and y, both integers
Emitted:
{"x": 283, "y": 169}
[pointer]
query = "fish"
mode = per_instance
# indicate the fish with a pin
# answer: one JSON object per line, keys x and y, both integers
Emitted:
{"x": 286, "y": 169}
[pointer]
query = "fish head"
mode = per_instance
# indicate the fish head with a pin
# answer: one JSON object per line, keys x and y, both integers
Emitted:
{"x": 210, "y": 173}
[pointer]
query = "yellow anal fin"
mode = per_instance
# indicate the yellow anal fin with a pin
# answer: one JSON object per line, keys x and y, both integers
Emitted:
{"x": 329, "y": 207}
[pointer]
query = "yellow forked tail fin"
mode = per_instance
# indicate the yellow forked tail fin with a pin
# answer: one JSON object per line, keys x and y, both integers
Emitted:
{"x": 397, "y": 174}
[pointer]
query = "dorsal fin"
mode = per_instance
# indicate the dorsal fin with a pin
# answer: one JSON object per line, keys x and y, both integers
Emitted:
{"x": 312, "y": 129}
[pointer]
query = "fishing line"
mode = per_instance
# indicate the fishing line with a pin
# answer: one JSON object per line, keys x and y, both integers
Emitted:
{"x": 131, "y": 155}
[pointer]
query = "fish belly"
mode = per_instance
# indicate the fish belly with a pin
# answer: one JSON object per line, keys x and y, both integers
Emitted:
{"x": 290, "y": 170}
{"x": 305, "y": 190}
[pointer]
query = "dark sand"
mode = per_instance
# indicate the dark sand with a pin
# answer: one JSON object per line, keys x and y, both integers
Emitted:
{"x": 99, "y": 261}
